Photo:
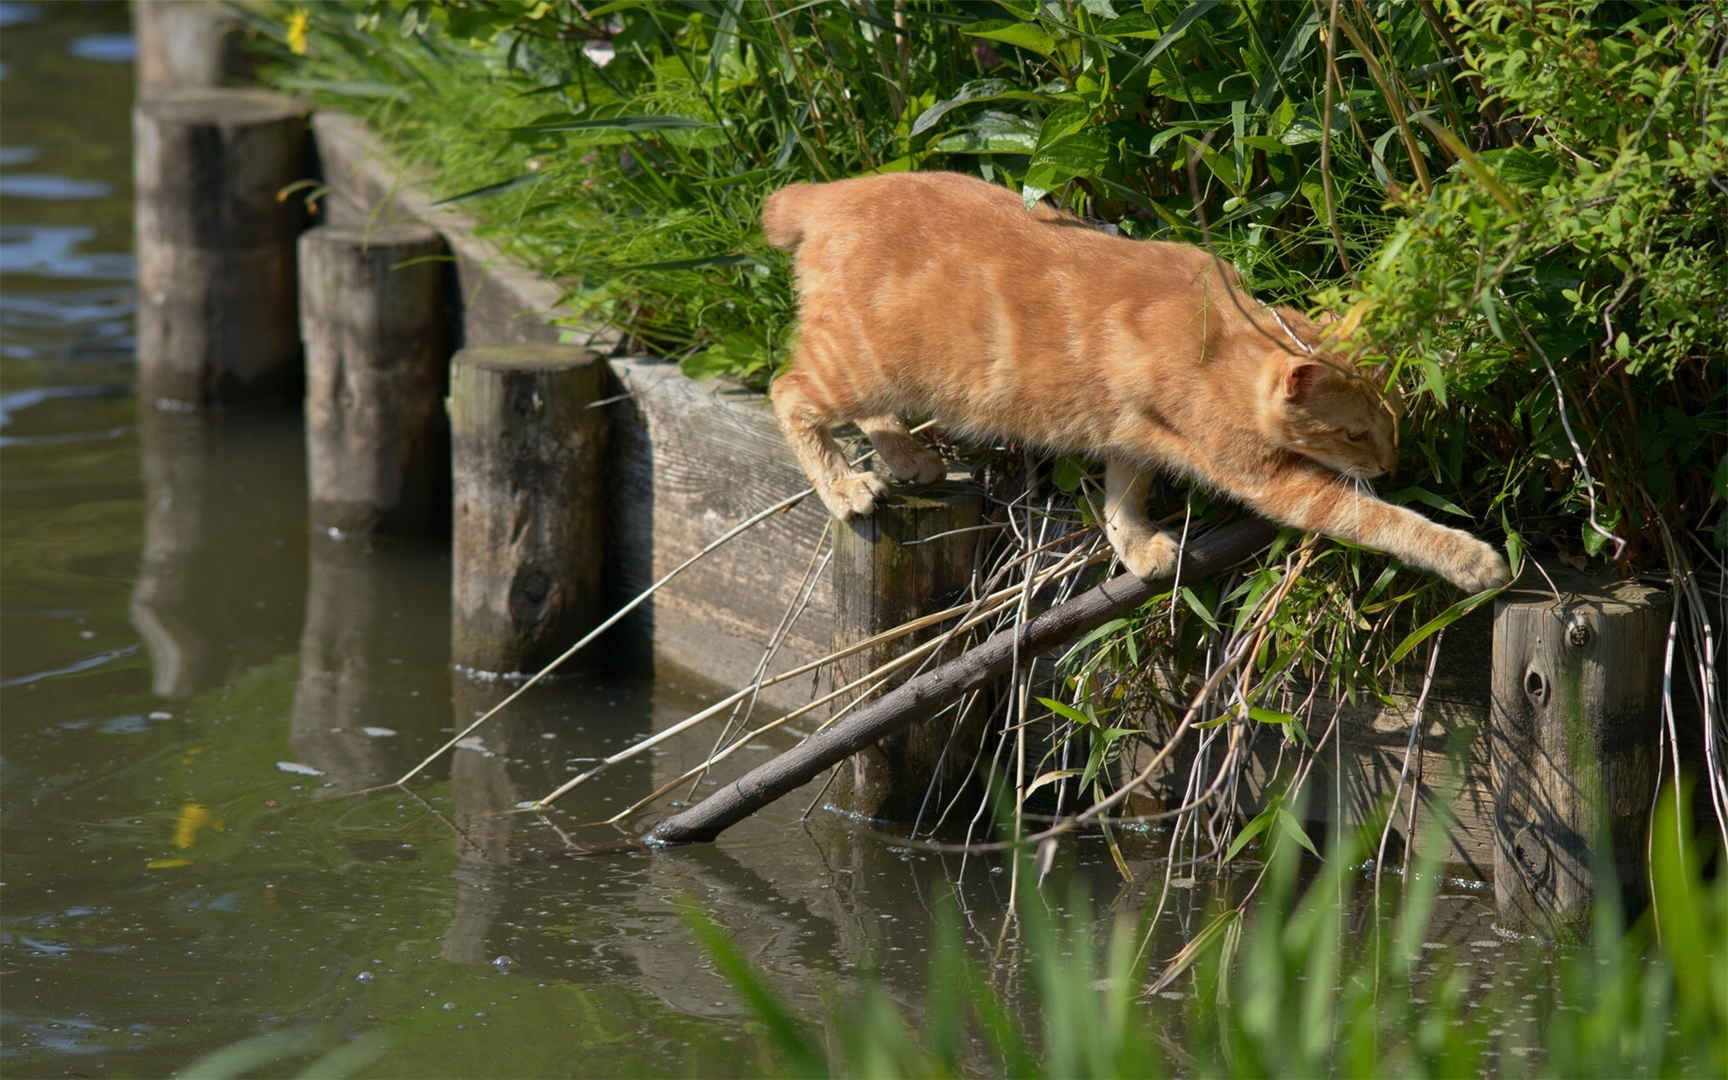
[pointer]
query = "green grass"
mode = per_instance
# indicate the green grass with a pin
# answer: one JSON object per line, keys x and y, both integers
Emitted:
{"x": 1291, "y": 984}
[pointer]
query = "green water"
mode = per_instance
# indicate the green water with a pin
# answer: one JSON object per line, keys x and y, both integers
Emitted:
{"x": 193, "y": 687}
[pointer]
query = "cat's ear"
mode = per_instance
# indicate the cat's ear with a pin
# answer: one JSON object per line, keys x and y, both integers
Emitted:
{"x": 1303, "y": 377}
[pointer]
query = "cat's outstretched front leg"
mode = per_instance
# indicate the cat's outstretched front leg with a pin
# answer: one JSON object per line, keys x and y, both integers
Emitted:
{"x": 1310, "y": 497}
{"x": 1144, "y": 548}
{"x": 846, "y": 492}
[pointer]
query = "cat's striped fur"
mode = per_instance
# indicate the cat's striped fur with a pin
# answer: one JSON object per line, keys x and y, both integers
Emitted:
{"x": 935, "y": 294}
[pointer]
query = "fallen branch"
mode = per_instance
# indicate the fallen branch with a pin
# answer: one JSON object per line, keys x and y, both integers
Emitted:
{"x": 921, "y": 697}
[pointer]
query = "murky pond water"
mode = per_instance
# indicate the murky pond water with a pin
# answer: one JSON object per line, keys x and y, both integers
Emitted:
{"x": 194, "y": 688}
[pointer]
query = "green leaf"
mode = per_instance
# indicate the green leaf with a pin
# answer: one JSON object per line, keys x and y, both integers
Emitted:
{"x": 686, "y": 264}
{"x": 1262, "y": 821}
{"x": 1428, "y": 498}
{"x": 491, "y": 189}
{"x": 1270, "y": 716}
{"x": 1595, "y": 541}
{"x": 976, "y": 90}
{"x": 1068, "y": 711}
{"x": 616, "y": 123}
{"x": 1289, "y": 826}
{"x": 1177, "y": 28}
{"x": 1025, "y": 35}
{"x": 1442, "y": 621}
{"x": 992, "y": 132}
{"x": 1198, "y": 607}
{"x": 1068, "y": 473}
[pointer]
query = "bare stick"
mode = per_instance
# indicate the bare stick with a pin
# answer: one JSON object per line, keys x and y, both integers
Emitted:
{"x": 985, "y": 608}
{"x": 989, "y": 607}
{"x": 921, "y": 697}
{"x": 735, "y": 531}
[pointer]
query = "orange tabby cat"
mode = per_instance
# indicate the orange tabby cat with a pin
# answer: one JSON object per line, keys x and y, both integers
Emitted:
{"x": 935, "y": 294}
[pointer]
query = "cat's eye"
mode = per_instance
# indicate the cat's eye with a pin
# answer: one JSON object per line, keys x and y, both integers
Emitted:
{"x": 1357, "y": 436}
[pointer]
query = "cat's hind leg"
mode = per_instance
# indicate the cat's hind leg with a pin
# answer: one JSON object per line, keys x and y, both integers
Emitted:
{"x": 1145, "y": 549}
{"x": 846, "y": 492}
{"x": 906, "y": 458}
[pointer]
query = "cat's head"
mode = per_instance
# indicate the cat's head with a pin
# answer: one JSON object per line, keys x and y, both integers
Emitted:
{"x": 1325, "y": 411}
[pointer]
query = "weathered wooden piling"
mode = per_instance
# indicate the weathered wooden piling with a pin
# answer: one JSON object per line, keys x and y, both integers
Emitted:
{"x": 215, "y": 244}
{"x": 912, "y": 556}
{"x": 375, "y": 325}
{"x": 528, "y": 528}
{"x": 1577, "y": 697}
{"x": 185, "y": 43}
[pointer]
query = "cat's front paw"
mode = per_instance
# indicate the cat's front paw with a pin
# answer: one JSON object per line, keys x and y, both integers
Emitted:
{"x": 1151, "y": 555}
{"x": 912, "y": 464}
{"x": 852, "y": 495}
{"x": 1479, "y": 568}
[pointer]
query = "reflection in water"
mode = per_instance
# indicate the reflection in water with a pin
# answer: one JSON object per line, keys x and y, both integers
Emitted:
{"x": 224, "y": 517}
{"x": 519, "y": 755}
{"x": 357, "y": 719}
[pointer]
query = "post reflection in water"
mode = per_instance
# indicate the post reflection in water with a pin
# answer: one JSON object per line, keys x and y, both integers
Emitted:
{"x": 223, "y": 564}
{"x": 373, "y": 656}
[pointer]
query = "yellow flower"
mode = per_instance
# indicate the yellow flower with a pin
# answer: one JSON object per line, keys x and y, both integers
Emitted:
{"x": 297, "y": 23}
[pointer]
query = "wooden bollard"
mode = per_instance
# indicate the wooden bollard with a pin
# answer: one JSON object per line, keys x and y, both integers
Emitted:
{"x": 1576, "y": 715}
{"x": 215, "y": 244}
{"x": 183, "y": 43}
{"x": 912, "y": 556}
{"x": 528, "y": 523}
{"x": 376, "y": 332}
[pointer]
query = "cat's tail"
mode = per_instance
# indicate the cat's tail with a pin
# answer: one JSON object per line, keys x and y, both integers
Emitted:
{"x": 783, "y": 216}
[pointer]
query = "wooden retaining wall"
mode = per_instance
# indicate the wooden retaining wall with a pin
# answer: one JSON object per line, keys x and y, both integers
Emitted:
{"x": 688, "y": 460}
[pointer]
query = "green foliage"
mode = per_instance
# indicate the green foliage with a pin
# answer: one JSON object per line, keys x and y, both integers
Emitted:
{"x": 1525, "y": 199}
{"x": 1282, "y": 986}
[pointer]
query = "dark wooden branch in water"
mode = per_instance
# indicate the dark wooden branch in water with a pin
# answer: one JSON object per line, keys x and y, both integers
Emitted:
{"x": 921, "y": 697}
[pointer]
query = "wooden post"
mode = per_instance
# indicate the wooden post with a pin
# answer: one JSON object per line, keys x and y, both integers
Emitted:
{"x": 1576, "y": 700}
{"x": 528, "y": 529}
{"x": 375, "y": 328}
{"x": 905, "y": 560}
{"x": 215, "y": 244}
{"x": 185, "y": 43}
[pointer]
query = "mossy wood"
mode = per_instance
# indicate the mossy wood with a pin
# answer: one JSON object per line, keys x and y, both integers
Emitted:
{"x": 528, "y": 530}
{"x": 1577, "y": 713}
{"x": 374, "y": 321}
{"x": 215, "y": 245}
{"x": 912, "y": 556}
